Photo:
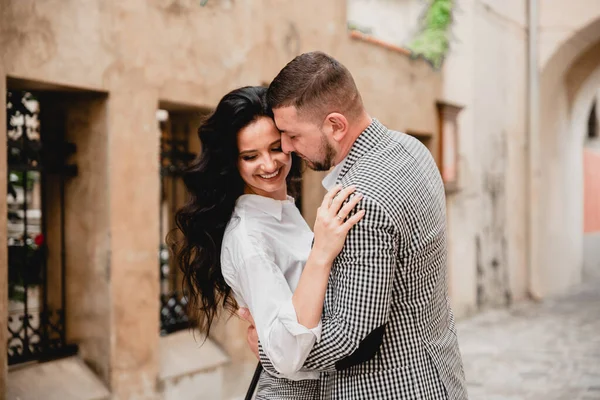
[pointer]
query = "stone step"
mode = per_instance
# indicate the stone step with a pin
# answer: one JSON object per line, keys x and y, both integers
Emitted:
{"x": 191, "y": 369}
{"x": 65, "y": 379}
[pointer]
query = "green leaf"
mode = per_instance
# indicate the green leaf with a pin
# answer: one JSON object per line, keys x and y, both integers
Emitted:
{"x": 432, "y": 41}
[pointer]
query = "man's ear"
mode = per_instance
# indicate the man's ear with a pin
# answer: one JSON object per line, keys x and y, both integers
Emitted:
{"x": 337, "y": 125}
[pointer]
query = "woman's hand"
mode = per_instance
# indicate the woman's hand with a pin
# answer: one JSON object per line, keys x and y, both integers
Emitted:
{"x": 331, "y": 226}
{"x": 251, "y": 334}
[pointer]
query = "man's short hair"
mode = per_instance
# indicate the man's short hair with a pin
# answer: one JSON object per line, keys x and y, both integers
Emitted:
{"x": 317, "y": 85}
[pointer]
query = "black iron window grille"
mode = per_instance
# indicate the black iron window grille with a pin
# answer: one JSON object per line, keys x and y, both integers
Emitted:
{"x": 36, "y": 315}
{"x": 175, "y": 156}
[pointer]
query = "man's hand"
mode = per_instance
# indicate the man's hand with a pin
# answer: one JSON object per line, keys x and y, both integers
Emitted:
{"x": 252, "y": 335}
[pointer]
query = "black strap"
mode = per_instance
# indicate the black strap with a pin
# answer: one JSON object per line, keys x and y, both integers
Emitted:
{"x": 254, "y": 382}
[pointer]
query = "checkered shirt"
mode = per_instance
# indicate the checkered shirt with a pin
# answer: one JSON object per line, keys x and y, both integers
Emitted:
{"x": 391, "y": 277}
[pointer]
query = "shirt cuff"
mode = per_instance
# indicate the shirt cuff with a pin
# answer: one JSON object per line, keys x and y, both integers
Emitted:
{"x": 288, "y": 317}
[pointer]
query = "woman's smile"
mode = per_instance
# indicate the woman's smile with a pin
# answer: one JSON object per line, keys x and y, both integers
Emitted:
{"x": 272, "y": 176}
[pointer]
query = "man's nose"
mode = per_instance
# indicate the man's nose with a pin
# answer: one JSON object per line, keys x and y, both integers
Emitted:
{"x": 286, "y": 144}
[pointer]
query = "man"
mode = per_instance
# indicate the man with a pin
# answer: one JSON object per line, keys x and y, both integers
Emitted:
{"x": 387, "y": 327}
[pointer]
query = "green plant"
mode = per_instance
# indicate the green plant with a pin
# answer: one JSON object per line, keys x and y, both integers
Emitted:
{"x": 16, "y": 178}
{"x": 433, "y": 39}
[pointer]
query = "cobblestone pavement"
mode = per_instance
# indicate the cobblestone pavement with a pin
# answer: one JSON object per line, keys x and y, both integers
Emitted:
{"x": 535, "y": 351}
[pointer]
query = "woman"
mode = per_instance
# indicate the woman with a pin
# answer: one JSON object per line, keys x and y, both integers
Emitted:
{"x": 246, "y": 245}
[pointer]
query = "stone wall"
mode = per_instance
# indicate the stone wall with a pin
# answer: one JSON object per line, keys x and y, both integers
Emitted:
{"x": 395, "y": 22}
{"x": 485, "y": 71}
{"x": 566, "y": 60}
{"x": 86, "y": 224}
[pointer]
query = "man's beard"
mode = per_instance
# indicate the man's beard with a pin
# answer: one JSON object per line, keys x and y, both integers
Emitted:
{"x": 329, "y": 154}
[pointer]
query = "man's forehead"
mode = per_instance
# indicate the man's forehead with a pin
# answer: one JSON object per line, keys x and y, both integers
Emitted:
{"x": 284, "y": 116}
{"x": 286, "y": 113}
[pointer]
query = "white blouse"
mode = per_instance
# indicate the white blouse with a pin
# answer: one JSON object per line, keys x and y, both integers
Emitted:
{"x": 265, "y": 247}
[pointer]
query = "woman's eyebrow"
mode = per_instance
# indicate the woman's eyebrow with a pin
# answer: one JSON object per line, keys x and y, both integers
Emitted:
{"x": 248, "y": 151}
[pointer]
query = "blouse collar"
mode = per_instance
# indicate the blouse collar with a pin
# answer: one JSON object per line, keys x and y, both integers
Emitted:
{"x": 265, "y": 204}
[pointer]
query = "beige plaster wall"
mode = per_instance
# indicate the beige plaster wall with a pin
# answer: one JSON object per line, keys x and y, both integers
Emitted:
{"x": 87, "y": 239}
{"x": 392, "y": 21}
{"x": 133, "y": 198}
{"x": 557, "y": 245}
{"x": 192, "y": 55}
{"x": 462, "y": 206}
{"x": 559, "y": 21}
{"x": 485, "y": 71}
{"x": 562, "y": 155}
{"x": 568, "y": 34}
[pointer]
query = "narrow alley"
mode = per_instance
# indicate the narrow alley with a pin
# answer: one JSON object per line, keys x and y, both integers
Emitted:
{"x": 536, "y": 351}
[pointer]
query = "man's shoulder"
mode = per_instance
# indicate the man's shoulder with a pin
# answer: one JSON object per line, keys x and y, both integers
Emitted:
{"x": 396, "y": 157}
{"x": 396, "y": 173}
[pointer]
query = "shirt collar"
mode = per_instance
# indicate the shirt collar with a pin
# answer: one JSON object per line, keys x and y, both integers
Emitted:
{"x": 365, "y": 142}
{"x": 267, "y": 205}
{"x": 332, "y": 177}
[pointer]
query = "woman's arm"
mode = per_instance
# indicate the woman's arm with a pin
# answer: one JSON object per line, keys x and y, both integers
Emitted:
{"x": 330, "y": 234}
{"x": 263, "y": 287}
{"x": 288, "y": 326}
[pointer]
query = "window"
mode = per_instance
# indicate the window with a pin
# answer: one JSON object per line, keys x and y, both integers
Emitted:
{"x": 175, "y": 155}
{"x": 37, "y": 172}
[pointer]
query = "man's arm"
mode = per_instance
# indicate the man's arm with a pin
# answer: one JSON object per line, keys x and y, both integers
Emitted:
{"x": 359, "y": 293}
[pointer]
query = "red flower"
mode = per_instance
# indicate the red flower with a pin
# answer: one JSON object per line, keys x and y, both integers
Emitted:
{"x": 39, "y": 240}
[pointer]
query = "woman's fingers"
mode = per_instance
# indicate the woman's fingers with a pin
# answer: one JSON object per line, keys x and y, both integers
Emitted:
{"x": 349, "y": 206}
{"x": 244, "y": 314}
{"x": 338, "y": 200}
{"x": 353, "y": 220}
{"x": 329, "y": 196}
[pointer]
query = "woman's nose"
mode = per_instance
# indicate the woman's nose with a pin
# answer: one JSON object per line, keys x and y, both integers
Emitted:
{"x": 269, "y": 165}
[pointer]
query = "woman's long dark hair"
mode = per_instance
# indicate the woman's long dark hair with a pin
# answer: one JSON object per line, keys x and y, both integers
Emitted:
{"x": 214, "y": 184}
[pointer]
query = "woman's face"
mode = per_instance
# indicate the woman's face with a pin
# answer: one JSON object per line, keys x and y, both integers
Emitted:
{"x": 261, "y": 162}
